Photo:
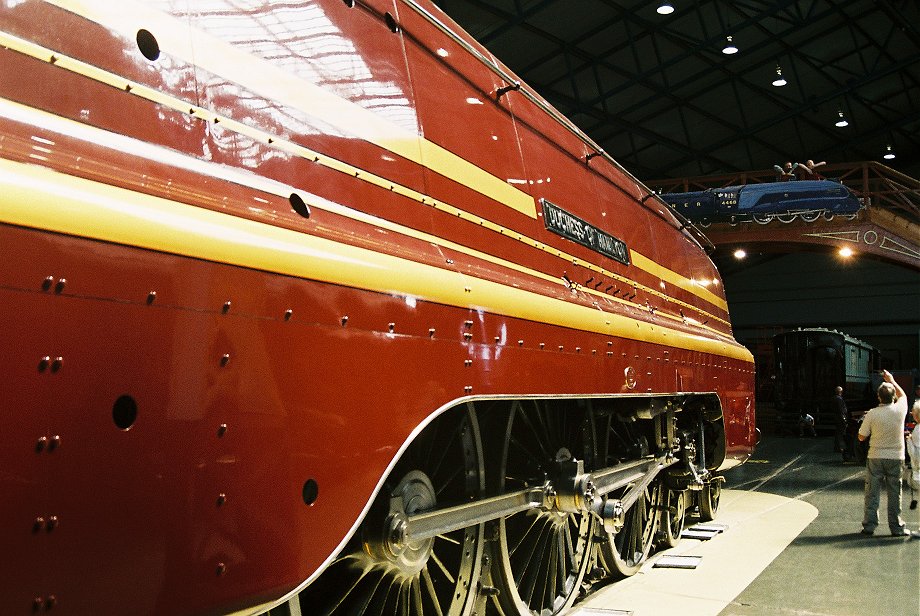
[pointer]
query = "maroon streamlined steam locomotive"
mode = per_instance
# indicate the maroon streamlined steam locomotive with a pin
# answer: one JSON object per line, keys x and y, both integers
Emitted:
{"x": 313, "y": 306}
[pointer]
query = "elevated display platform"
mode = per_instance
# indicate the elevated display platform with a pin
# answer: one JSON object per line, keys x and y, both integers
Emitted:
{"x": 879, "y": 232}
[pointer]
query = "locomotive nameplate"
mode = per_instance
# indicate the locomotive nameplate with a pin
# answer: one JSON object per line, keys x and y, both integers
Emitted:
{"x": 574, "y": 228}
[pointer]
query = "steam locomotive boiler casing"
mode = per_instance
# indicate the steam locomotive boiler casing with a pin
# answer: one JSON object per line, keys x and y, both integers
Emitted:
{"x": 277, "y": 280}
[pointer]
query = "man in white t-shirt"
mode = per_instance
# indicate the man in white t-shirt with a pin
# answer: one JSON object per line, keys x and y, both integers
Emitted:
{"x": 884, "y": 427}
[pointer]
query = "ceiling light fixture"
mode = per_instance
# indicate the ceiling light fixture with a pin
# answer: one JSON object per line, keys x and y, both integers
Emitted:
{"x": 665, "y": 8}
{"x": 842, "y": 121}
{"x": 729, "y": 48}
{"x": 846, "y": 252}
{"x": 889, "y": 153}
{"x": 780, "y": 81}
{"x": 740, "y": 254}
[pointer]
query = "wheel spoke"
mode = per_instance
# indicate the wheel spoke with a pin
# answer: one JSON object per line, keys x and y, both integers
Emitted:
{"x": 558, "y": 573}
{"x": 569, "y": 547}
{"x": 449, "y": 482}
{"x": 437, "y": 561}
{"x": 534, "y": 522}
{"x": 429, "y": 588}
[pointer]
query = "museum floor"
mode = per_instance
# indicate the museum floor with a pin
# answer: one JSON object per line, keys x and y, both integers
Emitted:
{"x": 790, "y": 544}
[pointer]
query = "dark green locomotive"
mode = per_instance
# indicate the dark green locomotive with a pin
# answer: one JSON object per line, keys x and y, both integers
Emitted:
{"x": 810, "y": 364}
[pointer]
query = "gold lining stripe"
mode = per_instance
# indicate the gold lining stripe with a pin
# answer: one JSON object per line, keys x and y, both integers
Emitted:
{"x": 38, "y": 197}
{"x": 121, "y": 83}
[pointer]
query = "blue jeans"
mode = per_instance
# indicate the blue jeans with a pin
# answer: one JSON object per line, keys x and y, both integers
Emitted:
{"x": 879, "y": 472}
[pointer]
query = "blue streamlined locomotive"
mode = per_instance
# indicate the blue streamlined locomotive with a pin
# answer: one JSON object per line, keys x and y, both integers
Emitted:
{"x": 761, "y": 203}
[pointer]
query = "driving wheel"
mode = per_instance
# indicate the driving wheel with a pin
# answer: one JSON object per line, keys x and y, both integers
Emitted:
{"x": 379, "y": 572}
{"x": 543, "y": 553}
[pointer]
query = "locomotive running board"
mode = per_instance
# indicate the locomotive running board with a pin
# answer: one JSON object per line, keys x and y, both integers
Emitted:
{"x": 640, "y": 473}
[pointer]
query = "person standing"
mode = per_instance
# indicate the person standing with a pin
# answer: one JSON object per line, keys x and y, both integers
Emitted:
{"x": 912, "y": 399}
{"x": 842, "y": 442}
{"x": 883, "y": 426}
{"x": 913, "y": 450}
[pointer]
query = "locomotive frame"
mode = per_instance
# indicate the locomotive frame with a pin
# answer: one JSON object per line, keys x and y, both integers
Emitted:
{"x": 277, "y": 329}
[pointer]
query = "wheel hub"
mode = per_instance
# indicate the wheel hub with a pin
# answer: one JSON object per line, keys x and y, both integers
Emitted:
{"x": 414, "y": 493}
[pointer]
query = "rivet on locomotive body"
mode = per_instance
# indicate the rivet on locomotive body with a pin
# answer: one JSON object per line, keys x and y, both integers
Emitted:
{"x": 542, "y": 345}
{"x": 41, "y": 443}
{"x": 151, "y": 297}
{"x": 221, "y": 499}
{"x": 221, "y": 430}
{"x": 38, "y": 525}
{"x": 52, "y": 523}
{"x": 431, "y": 332}
{"x": 57, "y": 363}
{"x": 226, "y": 307}
{"x": 221, "y": 569}
{"x": 344, "y": 320}
{"x": 59, "y": 287}
{"x": 54, "y": 443}
{"x": 47, "y": 283}
{"x": 43, "y": 363}
{"x": 288, "y": 314}
{"x": 468, "y": 362}
{"x": 520, "y": 343}
{"x": 225, "y": 359}
{"x": 497, "y": 339}
{"x": 391, "y": 327}
{"x": 468, "y": 389}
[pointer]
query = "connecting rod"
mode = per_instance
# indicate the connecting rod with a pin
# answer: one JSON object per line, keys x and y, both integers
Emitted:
{"x": 591, "y": 486}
